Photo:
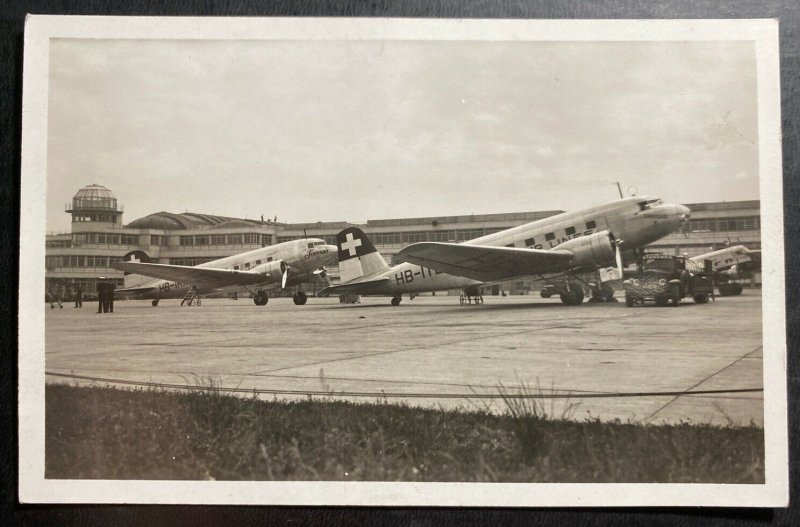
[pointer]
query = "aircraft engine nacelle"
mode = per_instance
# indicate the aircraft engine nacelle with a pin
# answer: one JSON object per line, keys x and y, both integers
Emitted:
{"x": 588, "y": 251}
{"x": 274, "y": 269}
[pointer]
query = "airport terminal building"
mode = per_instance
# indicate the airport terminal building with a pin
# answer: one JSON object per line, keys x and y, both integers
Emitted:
{"x": 99, "y": 237}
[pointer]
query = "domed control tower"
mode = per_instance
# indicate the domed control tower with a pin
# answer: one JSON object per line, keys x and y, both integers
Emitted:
{"x": 96, "y": 206}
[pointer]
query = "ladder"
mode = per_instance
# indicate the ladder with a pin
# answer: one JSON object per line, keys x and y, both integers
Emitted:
{"x": 190, "y": 296}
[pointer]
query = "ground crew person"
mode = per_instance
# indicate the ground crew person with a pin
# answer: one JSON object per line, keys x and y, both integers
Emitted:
{"x": 78, "y": 297}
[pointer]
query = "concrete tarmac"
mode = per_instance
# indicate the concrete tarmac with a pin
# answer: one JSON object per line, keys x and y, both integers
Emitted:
{"x": 603, "y": 361}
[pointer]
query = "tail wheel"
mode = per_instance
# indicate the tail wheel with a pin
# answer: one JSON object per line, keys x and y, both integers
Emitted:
{"x": 300, "y": 299}
{"x": 154, "y": 302}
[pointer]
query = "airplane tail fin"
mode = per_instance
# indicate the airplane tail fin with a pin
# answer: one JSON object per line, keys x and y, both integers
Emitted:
{"x": 358, "y": 258}
{"x": 132, "y": 279}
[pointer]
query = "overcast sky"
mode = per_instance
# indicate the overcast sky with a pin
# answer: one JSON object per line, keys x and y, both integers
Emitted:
{"x": 342, "y": 130}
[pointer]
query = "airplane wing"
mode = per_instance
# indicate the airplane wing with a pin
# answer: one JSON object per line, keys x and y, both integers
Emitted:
{"x": 207, "y": 276}
{"x": 359, "y": 288}
{"x": 485, "y": 263}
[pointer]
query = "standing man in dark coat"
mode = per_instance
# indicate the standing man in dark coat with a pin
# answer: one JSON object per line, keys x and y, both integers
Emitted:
{"x": 110, "y": 292}
{"x": 101, "y": 294}
{"x": 78, "y": 297}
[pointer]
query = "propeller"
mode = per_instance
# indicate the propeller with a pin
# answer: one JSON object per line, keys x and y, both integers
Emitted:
{"x": 618, "y": 257}
{"x": 285, "y": 277}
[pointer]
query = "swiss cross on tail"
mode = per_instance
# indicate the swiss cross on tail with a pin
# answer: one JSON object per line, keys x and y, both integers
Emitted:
{"x": 352, "y": 243}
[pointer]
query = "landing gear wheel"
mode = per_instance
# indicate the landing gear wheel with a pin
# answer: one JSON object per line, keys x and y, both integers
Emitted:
{"x": 396, "y": 300}
{"x": 574, "y": 296}
{"x": 260, "y": 298}
{"x": 300, "y": 299}
{"x": 154, "y": 303}
{"x": 675, "y": 296}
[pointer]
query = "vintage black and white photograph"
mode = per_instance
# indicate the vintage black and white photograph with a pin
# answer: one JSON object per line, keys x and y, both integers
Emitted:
{"x": 367, "y": 261}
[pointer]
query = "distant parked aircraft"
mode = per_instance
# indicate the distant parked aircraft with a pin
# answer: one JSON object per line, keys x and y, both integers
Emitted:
{"x": 730, "y": 264}
{"x": 282, "y": 265}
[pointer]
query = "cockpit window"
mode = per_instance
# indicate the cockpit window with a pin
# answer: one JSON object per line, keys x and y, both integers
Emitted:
{"x": 310, "y": 245}
{"x": 649, "y": 204}
{"x": 319, "y": 243}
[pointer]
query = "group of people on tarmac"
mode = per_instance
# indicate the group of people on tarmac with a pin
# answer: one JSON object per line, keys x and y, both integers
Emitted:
{"x": 105, "y": 295}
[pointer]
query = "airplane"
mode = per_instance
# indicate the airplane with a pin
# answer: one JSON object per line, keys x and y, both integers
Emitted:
{"x": 282, "y": 265}
{"x": 730, "y": 264}
{"x": 363, "y": 271}
{"x": 558, "y": 246}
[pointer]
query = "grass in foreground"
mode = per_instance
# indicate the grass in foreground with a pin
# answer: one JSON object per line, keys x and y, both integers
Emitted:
{"x": 107, "y": 433}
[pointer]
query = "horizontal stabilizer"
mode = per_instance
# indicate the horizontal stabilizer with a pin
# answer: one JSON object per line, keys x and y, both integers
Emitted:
{"x": 359, "y": 288}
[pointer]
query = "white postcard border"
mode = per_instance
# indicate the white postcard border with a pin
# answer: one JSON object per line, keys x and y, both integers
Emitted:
{"x": 33, "y": 487}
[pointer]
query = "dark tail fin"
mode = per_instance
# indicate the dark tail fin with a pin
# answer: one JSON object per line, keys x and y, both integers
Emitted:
{"x": 358, "y": 258}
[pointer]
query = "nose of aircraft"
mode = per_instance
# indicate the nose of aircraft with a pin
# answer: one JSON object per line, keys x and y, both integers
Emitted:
{"x": 683, "y": 213}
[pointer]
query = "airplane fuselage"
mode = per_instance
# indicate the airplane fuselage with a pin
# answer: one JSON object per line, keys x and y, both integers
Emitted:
{"x": 635, "y": 222}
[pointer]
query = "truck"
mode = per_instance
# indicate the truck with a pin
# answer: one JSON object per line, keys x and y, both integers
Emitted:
{"x": 666, "y": 279}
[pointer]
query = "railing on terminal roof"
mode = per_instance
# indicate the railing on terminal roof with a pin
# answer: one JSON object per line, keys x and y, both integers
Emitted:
{"x": 105, "y": 205}
{"x": 317, "y": 225}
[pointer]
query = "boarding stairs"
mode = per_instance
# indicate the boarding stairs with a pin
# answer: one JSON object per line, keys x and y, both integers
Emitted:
{"x": 191, "y": 296}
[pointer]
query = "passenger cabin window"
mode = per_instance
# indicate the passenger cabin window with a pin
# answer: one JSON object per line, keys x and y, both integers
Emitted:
{"x": 570, "y": 231}
{"x": 269, "y": 259}
{"x": 247, "y": 265}
{"x": 236, "y": 267}
{"x": 510, "y": 245}
{"x": 549, "y": 236}
{"x": 530, "y": 241}
{"x": 591, "y": 225}
{"x": 258, "y": 262}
